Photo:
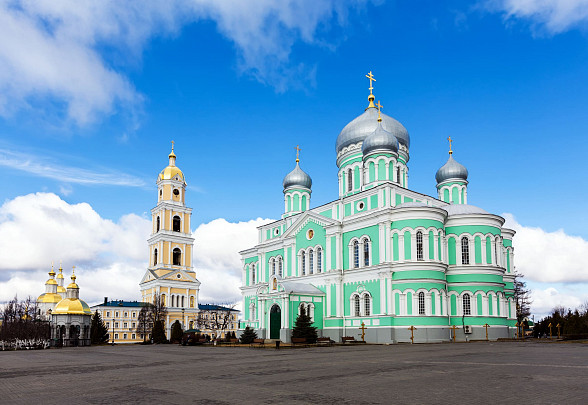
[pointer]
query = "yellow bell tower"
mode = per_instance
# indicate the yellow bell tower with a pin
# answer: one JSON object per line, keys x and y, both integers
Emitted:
{"x": 170, "y": 273}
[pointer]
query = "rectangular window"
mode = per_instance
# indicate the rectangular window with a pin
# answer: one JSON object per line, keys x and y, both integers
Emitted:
{"x": 116, "y": 335}
{"x": 124, "y": 325}
{"x": 126, "y": 314}
{"x": 134, "y": 314}
{"x": 108, "y": 314}
{"x": 133, "y": 336}
{"x": 107, "y": 325}
{"x": 116, "y": 314}
{"x": 116, "y": 324}
{"x": 419, "y": 245}
{"x": 125, "y": 336}
{"x": 133, "y": 325}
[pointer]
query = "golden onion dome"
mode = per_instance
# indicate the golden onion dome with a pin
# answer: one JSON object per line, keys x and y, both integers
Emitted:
{"x": 61, "y": 289}
{"x": 50, "y": 281}
{"x": 170, "y": 172}
{"x": 72, "y": 306}
{"x": 49, "y": 298}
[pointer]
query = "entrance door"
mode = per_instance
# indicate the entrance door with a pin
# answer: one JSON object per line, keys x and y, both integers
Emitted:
{"x": 275, "y": 322}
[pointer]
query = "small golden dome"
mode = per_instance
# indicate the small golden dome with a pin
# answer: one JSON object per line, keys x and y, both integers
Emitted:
{"x": 50, "y": 281}
{"x": 49, "y": 298}
{"x": 72, "y": 306}
{"x": 61, "y": 289}
{"x": 60, "y": 275}
{"x": 170, "y": 172}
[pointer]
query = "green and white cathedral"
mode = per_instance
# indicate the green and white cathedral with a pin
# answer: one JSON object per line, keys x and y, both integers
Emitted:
{"x": 381, "y": 254}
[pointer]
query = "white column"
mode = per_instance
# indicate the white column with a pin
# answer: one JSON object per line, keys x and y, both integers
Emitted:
{"x": 426, "y": 246}
{"x": 412, "y": 245}
{"x": 436, "y": 247}
{"x": 401, "y": 246}
{"x": 428, "y": 303}
{"x": 382, "y": 245}
{"x": 328, "y": 253}
{"x": 338, "y": 291}
{"x": 382, "y": 293}
{"x": 328, "y": 297}
{"x": 339, "y": 252}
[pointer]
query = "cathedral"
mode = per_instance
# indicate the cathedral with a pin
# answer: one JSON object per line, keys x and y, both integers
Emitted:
{"x": 401, "y": 265}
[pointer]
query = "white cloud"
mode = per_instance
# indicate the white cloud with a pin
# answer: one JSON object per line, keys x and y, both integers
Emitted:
{"x": 71, "y": 54}
{"x": 548, "y": 256}
{"x": 48, "y": 168}
{"x": 546, "y": 298}
{"x": 110, "y": 257}
{"x": 555, "y": 16}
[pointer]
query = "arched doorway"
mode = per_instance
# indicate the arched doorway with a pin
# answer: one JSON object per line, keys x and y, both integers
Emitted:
{"x": 275, "y": 321}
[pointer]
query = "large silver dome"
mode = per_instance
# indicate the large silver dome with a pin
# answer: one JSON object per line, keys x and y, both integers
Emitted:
{"x": 380, "y": 140}
{"x": 358, "y": 129}
{"x": 297, "y": 177}
{"x": 451, "y": 170}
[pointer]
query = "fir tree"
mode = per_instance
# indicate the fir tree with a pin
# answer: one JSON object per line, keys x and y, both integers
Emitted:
{"x": 98, "y": 331}
{"x": 248, "y": 335}
{"x": 159, "y": 333}
{"x": 176, "y": 332}
{"x": 303, "y": 327}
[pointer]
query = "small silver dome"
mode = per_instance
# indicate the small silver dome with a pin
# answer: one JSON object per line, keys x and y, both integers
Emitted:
{"x": 362, "y": 126}
{"x": 297, "y": 177}
{"x": 463, "y": 209}
{"x": 379, "y": 140}
{"x": 451, "y": 170}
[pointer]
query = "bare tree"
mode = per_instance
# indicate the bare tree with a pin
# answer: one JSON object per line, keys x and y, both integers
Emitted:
{"x": 158, "y": 308}
{"x": 522, "y": 296}
{"x": 23, "y": 326}
{"x": 145, "y": 321}
{"x": 216, "y": 318}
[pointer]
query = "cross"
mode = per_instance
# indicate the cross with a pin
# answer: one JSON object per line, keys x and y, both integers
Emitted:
{"x": 363, "y": 328}
{"x": 450, "y": 140}
{"x": 412, "y": 329}
{"x": 172, "y": 145}
{"x": 380, "y": 106}
{"x": 486, "y": 326}
{"x": 371, "y": 77}
{"x": 297, "y": 148}
{"x": 453, "y": 334}
{"x": 558, "y": 326}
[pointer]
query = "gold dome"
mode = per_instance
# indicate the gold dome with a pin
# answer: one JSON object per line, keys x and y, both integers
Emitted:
{"x": 72, "y": 306}
{"x": 60, "y": 275}
{"x": 170, "y": 172}
{"x": 49, "y": 298}
{"x": 50, "y": 281}
{"x": 61, "y": 289}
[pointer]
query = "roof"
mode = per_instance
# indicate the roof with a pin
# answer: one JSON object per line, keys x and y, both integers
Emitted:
{"x": 463, "y": 209}
{"x": 300, "y": 288}
{"x": 120, "y": 303}
{"x": 213, "y": 307}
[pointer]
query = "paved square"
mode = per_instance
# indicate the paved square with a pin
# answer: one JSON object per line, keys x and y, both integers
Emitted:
{"x": 479, "y": 372}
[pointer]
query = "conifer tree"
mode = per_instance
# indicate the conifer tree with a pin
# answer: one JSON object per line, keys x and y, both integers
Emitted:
{"x": 248, "y": 335}
{"x": 303, "y": 327}
{"x": 176, "y": 332}
{"x": 98, "y": 331}
{"x": 159, "y": 333}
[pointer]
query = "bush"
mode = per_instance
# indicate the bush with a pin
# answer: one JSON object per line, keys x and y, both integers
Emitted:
{"x": 176, "y": 332}
{"x": 303, "y": 328}
{"x": 248, "y": 336}
{"x": 159, "y": 333}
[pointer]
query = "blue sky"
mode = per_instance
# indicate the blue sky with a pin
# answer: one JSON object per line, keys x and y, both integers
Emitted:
{"x": 93, "y": 95}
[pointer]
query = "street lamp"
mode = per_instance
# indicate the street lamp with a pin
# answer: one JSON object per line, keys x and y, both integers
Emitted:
{"x": 183, "y": 319}
{"x": 113, "y": 331}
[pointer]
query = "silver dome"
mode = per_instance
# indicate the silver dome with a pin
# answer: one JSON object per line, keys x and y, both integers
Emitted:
{"x": 451, "y": 170}
{"x": 358, "y": 129}
{"x": 297, "y": 177}
{"x": 463, "y": 209}
{"x": 380, "y": 139}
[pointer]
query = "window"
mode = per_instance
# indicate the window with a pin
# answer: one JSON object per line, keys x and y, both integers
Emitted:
{"x": 116, "y": 324}
{"x": 177, "y": 222}
{"x": 280, "y": 267}
{"x": 108, "y": 313}
{"x": 177, "y": 257}
{"x": 366, "y": 252}
{"x": 182, "y": 301}
{"x": 116, "y": 335}
{"x": 398, "y": 174}
{"x": 107, "y": 325}
{"x": 357, "y": 305}
{"x": 124, "y": 325}
{"x": 134, "y": 314}
{"x": 155, "y": 257}
{"x": 158, "y": 224}
{"x": 319, "y": 260}
{"x": 349, "y": 180}
{"x": 252, "y": 274}
{"x": 303, "y": 262}
{"x": 116, "y": 314}
{"x": 134, "y": 325}
{"x": 467, "y": 309}
{"x": 356, "y": 254}
{"x": 191, "y": 303}
{"x": 273, "y": 266}
{"x": 465, "y": 251}
{"x": 366, "y": 305}
{"x": 419, "y": 245}
{"x": 421, "y": 303}
{"x": 126, "y": 314}
{"x": 310, "y": 261}
{"x": 133, "y": 336}
{"x": 124, "y": 336}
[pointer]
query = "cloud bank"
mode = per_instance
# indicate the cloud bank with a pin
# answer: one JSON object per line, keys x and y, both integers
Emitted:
{"x": 71, "y": 55}
{"x": 552, "y": 16}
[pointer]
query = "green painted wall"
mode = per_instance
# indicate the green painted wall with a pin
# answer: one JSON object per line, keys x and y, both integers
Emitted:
{"x": 372, "y": 233}
{"x": 289, "y": 260}
{"x": 296, "y": 202}
{"x": 395, "y": 254}
{"x": 433, "y": 302}
{"x": 333, "y": 252}
{"x": 490, "y": 310}
{"x": 409, "y": 303}
{"x": 374, "y": 201}
{"x": 488, "y": 250}
{"x": 398, "y": 199}
{"x": 446, "y": 195}
{"x": 381, "y": 169}
{"x": 327, "y": 213}
{"x": 319, "y": 237}
{"x": 407, "y": 246}
{"x": 474, "y": 278}
{"x": 506, "y": 242}
{"x": 453, "y": 305}
{"x": 413, "y": 223}
{"x": 455, "y": 195}
{"x": 478, "y": 249}
{"x": 303, "y": 206}
{"x": 371, "y": 172}
{"x": 472, "y": 229}
{"x": 333, "y": 300}
{"x": 479, "y": 299}
{"x": 407, "y": 199}
{"x": 397, "y": 304}
{"x": 372, "y": 286}
{"x": 418, "y": 274}
{"x": 347, "y": 210}
{"x": 431, "y": 245}
{"x": 451, "y": 250}
{"x": 356, "y": 178}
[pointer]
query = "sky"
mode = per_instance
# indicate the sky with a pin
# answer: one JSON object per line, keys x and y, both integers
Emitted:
{"x": 93, "y": 93}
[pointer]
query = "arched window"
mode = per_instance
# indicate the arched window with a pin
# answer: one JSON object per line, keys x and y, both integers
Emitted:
{"x": 280, "y": 267}
{"x": 177, "y": 222}
{"x": 349, "y": 180}
{"x": 303, "y": 262}
{"x": 467, "y": 308}
{"x": 421, "y": 303}
{"x": 319, "y": 260}
{"x": 158, "y": 224}
{"x": 252, "y": 274}
{"x": 173, "y": 300}
{"x": 183, "y": 301}
{"x": 155, "y": 257}
{"x": 310, "y": 261}
{"x": 398, "y": 175}
{"x": 177, "y": 257}
{"x": 366, "y": 252}
{"x": 357, "y": 305}
{"x": 273, "y": 266}
{"x": 496, "y": 244}
{"x": 465, "y": 251}
{"x": 366, "y": 305}
{"x": 191, "y": 304}
{"x": 191, "y": 324}
{"x": 419, "y": 245}
{"x": 252, "y": 312}
{"x": 356, "y": 254}
{"x": 163, "y": 299}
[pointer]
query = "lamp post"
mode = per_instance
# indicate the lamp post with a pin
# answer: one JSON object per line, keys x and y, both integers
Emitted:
{"x": 183, "y": 319}
{"x": 113, "y": 331}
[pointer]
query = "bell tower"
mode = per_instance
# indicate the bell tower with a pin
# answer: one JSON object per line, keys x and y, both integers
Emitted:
{"x": 170, "y": 273}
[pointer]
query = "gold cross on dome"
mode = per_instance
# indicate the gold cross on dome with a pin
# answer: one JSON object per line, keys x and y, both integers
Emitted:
{"x": 450, "y": 140}
{"x": 172, "y": 145}
{"x": 297, "y": 148}
{"x": 371, "y": 77}
{"x": 379, "y": 106}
